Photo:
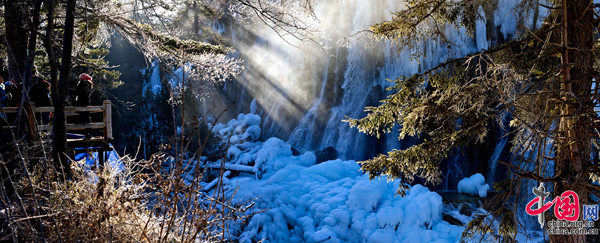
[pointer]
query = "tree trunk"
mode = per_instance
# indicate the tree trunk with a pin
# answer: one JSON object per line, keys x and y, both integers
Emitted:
{"x": 196, "y": 35}
{"x": 16, "y": 50}
{"x": 31, "y": 50}
{"x": 50, "y": 52}
{"x": 15, "y": 19}
{"x": 574, "y": 149}
{"x": 27, "y": 112}
{"x": 59, "y": 149}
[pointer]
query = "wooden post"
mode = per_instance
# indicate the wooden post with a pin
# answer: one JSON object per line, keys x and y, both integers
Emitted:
{"x": 107, "y": 120}
{"x": 107, "y": 132}
{"x": 101, "y": 158}
{"x": 32, "y": 121}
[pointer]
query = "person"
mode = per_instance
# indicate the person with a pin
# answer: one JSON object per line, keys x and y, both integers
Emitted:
{"x": 40, "y": 90}
{"x": 83, "y": 91}
{"x": 5, "y": 140}
{"x": 15, "y": 90}
{"x": 4, "y": 96}
{"x": 4, "y": 99}
{"x": 39, "y": 94}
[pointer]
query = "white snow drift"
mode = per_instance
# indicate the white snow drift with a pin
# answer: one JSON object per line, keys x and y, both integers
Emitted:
{"x": 474, "y": 185}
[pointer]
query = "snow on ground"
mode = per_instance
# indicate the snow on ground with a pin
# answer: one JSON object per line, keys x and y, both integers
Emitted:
{"x": 327, "y": 202}
{"x": 474, "y": 185}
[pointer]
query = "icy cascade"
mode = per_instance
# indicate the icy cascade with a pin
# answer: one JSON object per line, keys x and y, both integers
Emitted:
{"x": 153, "y": 83}
{"x": 495, "y": 173}
{"x": 304, "y": 93}
{"x": 364, "y": 78}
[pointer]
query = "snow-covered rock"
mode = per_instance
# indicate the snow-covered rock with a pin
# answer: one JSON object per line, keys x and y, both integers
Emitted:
{"x": 474, "y": 185}
{"x": 246, "y": 128}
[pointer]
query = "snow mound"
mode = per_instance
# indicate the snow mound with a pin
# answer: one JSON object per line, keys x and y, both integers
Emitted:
{"x": 298, "y": 200}
{"x": 246, "y": 128}
{"x": 335, "y": 202}
{"x": 474, "y": 185}
{"x": 246, "y": 153}
{"x": 301, "y": 201}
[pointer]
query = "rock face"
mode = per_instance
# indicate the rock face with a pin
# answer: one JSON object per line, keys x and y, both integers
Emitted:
{"x": 459, "y": 208}
{"x": 329, "y": 153}
{"x": 452, "y": 220}
{"x": 295, "y": 152}
{"x": 466, "y": 209}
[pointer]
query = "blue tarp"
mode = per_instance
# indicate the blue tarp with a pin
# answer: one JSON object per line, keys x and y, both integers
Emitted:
{"x": 112, "y": 159}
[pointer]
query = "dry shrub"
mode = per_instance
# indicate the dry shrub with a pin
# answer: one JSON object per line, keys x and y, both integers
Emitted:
{"x": 143, "y": 202}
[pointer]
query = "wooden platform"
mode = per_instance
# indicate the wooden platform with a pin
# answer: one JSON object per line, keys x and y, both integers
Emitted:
{"x": 100, "y": 144}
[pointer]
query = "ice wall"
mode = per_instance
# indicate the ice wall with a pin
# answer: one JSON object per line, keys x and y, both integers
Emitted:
{"x": 304, "y": 91}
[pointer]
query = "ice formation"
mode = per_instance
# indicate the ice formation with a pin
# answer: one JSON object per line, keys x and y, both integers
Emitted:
{"x": 474, "y": 185}
{"x": 328, "y": 202}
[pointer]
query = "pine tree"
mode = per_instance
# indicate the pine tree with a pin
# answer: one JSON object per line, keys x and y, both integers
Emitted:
{"x": 545, "y": 79}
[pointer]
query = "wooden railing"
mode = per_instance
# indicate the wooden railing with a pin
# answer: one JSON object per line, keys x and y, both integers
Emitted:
{"x": 105, "y": 125}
